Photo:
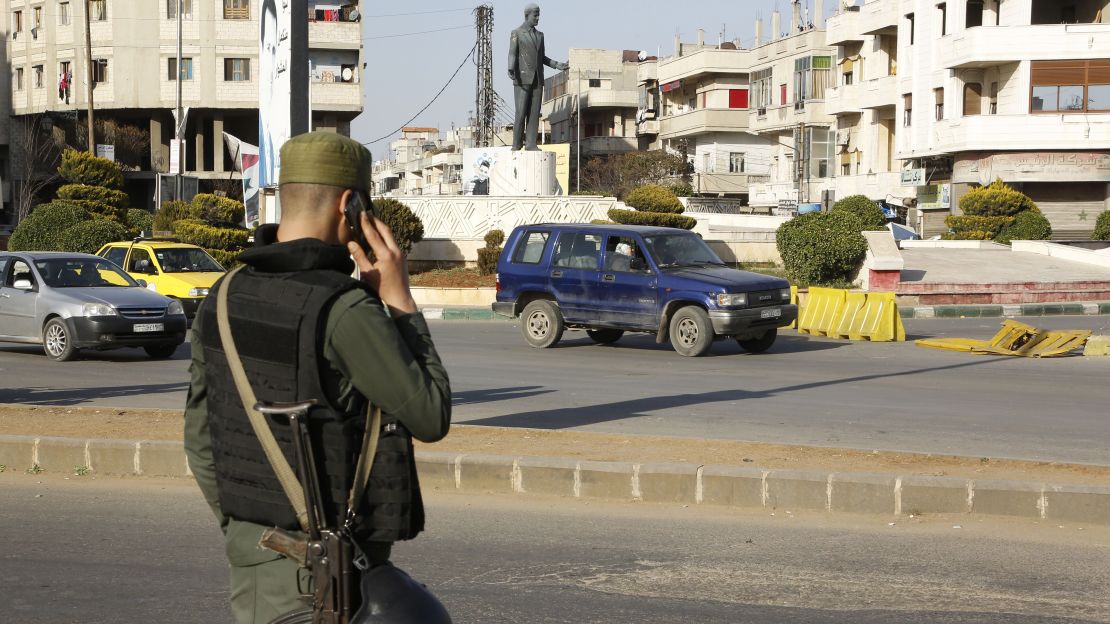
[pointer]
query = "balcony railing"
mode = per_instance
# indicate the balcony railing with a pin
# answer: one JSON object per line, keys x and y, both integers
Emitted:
{"x": 702, "y": 121}
{"x": 994, "y": 45}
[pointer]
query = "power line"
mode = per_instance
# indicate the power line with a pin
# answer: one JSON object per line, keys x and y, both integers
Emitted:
{"x": 410, "y": 34}
{"x": 421, "y": 12}
{"x": 429, "y": 105}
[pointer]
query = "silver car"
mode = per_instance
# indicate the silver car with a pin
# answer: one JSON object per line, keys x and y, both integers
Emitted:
{"x": 72, "y": 301}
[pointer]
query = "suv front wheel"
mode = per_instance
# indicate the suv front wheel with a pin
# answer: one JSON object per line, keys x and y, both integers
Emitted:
{"x": 542, "y": 324}
{"x": 691, "y": 332}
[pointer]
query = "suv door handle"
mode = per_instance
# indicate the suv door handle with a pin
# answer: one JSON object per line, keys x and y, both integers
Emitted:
{"x": 556, "y": 274}
{"x": 608, "y": 277}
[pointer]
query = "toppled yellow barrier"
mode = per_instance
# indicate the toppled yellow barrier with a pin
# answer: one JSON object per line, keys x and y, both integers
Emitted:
{"x": 837, "y": 313}
{"x": 1016, "y": 338}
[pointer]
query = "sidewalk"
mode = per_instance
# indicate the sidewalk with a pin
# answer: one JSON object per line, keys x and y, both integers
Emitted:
{"x": 617, "y": 468}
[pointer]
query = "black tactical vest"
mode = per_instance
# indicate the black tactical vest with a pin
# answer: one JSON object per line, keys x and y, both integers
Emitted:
{"x": 278, "y": 321}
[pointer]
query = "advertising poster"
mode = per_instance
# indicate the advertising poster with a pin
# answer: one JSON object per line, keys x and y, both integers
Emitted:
{"x": 478, "y": 161}
{"x": 273, "y": 88}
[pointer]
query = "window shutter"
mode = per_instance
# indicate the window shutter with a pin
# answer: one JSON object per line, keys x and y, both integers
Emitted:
{"x": 738, "y": 98}
{"x": 1058, "y": 72}
{"x": 907, "y": 101}
{"x": 939, "y": 95}
{"x": 1099, "y": 73}
{"x": 973, "y": 99}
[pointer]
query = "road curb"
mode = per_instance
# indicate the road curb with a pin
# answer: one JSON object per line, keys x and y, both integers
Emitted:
{"x": 1073, "y": 308}
{"x": 688, "y": 484}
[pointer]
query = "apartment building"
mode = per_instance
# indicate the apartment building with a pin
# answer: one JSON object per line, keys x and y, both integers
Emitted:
{"x": 695, "y": 103}
{"x": 423, "y": 163}
{"x": 1017, "y": 90}
{"x": 604, "y": 85}
{"x": 135, "y": 74}
{"x": 790, "y": 73}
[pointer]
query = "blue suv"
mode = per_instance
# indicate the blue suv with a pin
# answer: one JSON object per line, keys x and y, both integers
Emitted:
{"x": 609, "y": 279}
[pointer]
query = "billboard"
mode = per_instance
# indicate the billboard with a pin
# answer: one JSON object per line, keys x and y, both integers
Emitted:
{"x": 274, "y": 92}
{"x": 478, "y": 161}
{"x": 245, "y": 157}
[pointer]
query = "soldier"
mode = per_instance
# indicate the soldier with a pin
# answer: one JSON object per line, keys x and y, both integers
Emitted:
{"x": 526, "y": 60}
{"x": 306, "y": 330}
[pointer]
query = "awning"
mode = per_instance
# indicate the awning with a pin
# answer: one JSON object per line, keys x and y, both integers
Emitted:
{"x": 671, "y": 86}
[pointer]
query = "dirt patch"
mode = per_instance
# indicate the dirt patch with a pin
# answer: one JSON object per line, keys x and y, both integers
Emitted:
{"x": 452, "y": 278}
{"x": 136, "y": 424}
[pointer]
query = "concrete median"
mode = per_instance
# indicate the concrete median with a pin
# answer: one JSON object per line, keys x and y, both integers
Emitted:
{"x": 670, "y": 483}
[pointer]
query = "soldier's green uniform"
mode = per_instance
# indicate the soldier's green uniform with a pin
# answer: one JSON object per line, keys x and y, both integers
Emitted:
{"x": 390, "y": 361}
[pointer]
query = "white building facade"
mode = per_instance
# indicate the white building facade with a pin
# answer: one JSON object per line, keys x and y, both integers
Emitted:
{"x": 592, "y": 105}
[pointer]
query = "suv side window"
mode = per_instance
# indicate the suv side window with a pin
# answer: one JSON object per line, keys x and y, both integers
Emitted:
{"x": 530, "y": 250}
{"x": 116, "y": 254}
{"x": 576, "y": 251}
{"x": 623, "y": 254}
{"x": 140, "y": 262}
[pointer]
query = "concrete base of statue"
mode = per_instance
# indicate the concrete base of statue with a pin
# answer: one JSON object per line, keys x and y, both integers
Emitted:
{"x": 527, "y": 174}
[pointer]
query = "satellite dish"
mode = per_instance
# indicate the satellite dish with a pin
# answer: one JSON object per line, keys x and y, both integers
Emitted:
{"x": 354, "y": 15}
{"x": 348, "y": 74}
{"x": 642, "y": 55}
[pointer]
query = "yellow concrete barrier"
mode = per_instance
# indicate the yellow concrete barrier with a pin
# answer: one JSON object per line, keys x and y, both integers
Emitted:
{"x": 856, "y": 316}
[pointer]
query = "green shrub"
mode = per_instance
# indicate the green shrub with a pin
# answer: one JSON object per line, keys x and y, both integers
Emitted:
{"x": 210, "y": 237}
{"x": 217, "y": 210}
{"x": 407, "y": 228}
{"x": 601, "y": 222}
{"x": 170, "y": 212}
{"x": 487, "y": 260}
{"x": 227, "y": 259}
{"x": 43, "y": 229}
{"x": 112, "y": 197}
{"x": 967, "y": 227}
{"x": 494, "y": 238}
{"x": 654, "y": 198}
{"x": 84, "y": 168}
{"x": 681, "y": 189}
{"x": 822, "y": 247}
{"x": 1027, "y": 225}
{"x": 99, "y": 210}
{"x": 1102, "y": 226}
{"x": 869, "y": 214}
{"x": 89, "y": 236}
{"x": 996, "y": 200}
{"x": 138, "y": 221}
{"x": 969, "y": 235}
{"x": 657, "y": 219}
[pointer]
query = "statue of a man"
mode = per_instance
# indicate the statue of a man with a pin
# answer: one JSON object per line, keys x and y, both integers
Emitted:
{"x": 526, "y": 61}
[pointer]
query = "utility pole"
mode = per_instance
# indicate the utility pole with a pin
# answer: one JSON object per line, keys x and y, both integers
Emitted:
{"x": 578, "y": 131}
{"x": 484, "y": 94}
{"x": 179, "y": 126}
{"x": 91, "y": 72}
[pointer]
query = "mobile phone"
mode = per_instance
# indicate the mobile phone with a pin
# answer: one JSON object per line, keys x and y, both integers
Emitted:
{"x": 358, "y": 203}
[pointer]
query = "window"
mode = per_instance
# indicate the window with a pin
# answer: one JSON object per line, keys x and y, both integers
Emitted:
{"x": 912, "y": 26}
{"x": 973, "y": 99}
{"x": 17, "y": 22}
{"x": 624, "y": 254}
{"x": 20, "y": 271}
{"x": 821, "y": 146}
{"x": 98, "y": 10}
{"x": 63, "y": 14}
{"x": 692, "y": 103}
{"x": 811, "y": 78}
{"x": 994, "y": 99}
{"x": 763, "y": 93}
{"x": 595, "y": 83}
{"x": 530, "y": 250}
{"x": 140, "y": 262}
{"x": 116, "y": 255}
{"x": 186, "y": 68}
{"x": 1070, "y": 86}
{"x": 36, "y": 17}
{"x": 17, "y": 79}
{"x": 237, "y": 70}
{"x": 782, "y": 95}
{"x": 65, "y": 81}
{"x": 737, "y": 98}
{"x": 186, "y": 9}
{"x": 943, "y": 9}
{"x": 736, "y": 162}
{"x": 938, "y": 98}
{"x": 974, "y": 13}
{"x": 576, "y": 251}
{"x": 237, "y": 9}
{"x": 907, "y": 104}
{"x": 37, "y": 70}
{"x": 100, "y": 71}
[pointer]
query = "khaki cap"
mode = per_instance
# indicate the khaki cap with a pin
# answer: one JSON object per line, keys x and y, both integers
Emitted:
{"x": 325, "y": 158}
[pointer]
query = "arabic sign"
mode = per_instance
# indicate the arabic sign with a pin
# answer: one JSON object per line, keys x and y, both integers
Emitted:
{"x": 984, "y": 168}
{"x": 934, "y": 196}
{"x": 913, "y": 177}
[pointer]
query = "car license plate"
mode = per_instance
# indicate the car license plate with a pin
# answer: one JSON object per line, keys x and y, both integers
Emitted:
{"x": 772, "y": 313}
{"x": 149, "y": 327}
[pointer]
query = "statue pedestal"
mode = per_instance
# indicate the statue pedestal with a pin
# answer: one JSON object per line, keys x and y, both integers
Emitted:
{"x": 522, "y": 173}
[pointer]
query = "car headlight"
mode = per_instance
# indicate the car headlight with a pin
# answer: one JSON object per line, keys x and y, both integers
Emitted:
{"x": 198, "y": 292}
{"x": 784, "y": 294}
{"x": 98, "y": 309}
{"x": 175, "y": 309}
{"x": 730, "y": 300}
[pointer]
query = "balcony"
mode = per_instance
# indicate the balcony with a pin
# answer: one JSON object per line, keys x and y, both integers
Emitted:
{"x": 335, "y": 35}
{"x": 842, "y": 28}
{"x": 986, "y": 46}
{"x": 648, "y": 127}
{"x": 869, "y": 94}
{"x": 726, "y": 183}
{"x": 703, "y": 62}
{"x": 703, "y": 121}
{"x": 336, "y": 96}
{"x": 647, "y": 71}
{"x": 779, "y": 118}
{"x": 996, "y": 133}
{"x": 599, "y": 146}
{"x": 609, "y": 98}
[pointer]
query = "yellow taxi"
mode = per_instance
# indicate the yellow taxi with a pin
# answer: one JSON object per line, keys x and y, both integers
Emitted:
{"x": 177, "y": 270}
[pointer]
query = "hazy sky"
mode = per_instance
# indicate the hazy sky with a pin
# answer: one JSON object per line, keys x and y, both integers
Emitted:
{"x": 407, "y": 65}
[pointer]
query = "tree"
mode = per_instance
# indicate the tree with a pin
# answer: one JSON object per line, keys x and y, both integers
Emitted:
{"x": 35, "y": 158}
{"x": 618, "y": 174}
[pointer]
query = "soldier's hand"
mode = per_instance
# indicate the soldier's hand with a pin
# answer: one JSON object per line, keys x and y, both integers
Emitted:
{"x": 388, "y": 273}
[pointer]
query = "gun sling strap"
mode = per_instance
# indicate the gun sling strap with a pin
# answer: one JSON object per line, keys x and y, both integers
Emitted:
{"x": 285, "y": 474}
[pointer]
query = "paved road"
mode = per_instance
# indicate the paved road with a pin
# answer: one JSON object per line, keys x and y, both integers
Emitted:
{"x": 148, "y": 551}
{"x": 805, "y": 391}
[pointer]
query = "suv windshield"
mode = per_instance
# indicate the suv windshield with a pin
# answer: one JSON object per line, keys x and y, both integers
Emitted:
{"x": 186, "y": 260}
{"x": 670, "y": 250}
{"x": 82, "y": 273}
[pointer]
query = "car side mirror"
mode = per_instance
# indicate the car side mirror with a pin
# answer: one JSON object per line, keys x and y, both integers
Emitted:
{"x": 23, "y": 285}
{"x": 141, "y": 282}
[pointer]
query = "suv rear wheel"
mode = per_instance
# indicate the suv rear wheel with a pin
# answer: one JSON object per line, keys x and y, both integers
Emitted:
{"x": 691, "y": 333}
{"x": 760, "y": 343}
{"x": 605, "y": 336}
{"x": 542, "y": 324}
